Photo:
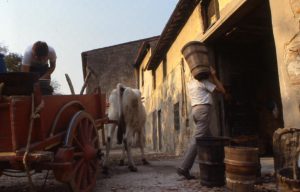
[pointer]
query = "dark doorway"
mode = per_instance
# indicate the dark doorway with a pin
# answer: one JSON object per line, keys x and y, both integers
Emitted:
{"x": 159, "y": 131}
{"x": 247, "y": 65}
{"x": 154, "y": 130}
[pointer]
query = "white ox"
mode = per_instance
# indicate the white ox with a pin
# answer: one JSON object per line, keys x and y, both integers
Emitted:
{"x": 126, "y": 108}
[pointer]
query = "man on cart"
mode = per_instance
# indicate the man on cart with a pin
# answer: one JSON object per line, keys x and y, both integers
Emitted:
{"x": 36, "y": 59}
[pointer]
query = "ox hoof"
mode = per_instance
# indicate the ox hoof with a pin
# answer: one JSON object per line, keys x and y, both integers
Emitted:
{"x": 145, "y": 162}
{"x": 105, "y": 170}
{"x": 121, "y": 163}
{"x": 132, "y": 168}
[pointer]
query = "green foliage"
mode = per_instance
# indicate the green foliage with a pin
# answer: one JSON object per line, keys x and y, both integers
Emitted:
{"x": 56, "y": 86}
{"x": 13, "y": 62}
{"x": 3, "y": 49}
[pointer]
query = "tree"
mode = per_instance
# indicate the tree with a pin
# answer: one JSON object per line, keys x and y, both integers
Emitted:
{"x": 13, "y": 62}
{"x": 56, "y": 86}
{"x": 3, "y": 49}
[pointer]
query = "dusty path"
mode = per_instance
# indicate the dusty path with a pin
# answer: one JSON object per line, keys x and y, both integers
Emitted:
{"x": 160, "y": 176}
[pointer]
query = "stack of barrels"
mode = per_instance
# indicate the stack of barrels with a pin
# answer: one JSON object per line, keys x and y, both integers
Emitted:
{"x": 286, "y": 142}
{"x": 217, "y": 159}
{"x": 241, "y": 163}
{"x": 211, "y": 160}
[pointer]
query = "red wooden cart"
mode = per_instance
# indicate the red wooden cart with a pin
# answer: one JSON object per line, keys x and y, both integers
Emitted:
{"x": 50, "y": 132}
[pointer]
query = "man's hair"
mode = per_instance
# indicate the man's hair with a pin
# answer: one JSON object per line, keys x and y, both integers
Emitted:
{"x": 40, "y": 49}
{"x": 202, "y": 76}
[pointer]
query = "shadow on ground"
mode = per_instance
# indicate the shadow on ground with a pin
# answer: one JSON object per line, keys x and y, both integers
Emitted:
{"x": 159, "y": 176}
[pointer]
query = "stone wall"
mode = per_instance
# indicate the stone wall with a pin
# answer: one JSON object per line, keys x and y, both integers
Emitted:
{"x": 111, "y": 65}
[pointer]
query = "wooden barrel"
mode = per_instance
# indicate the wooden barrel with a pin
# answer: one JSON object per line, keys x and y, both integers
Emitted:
{"x": 18, "y": 83}
{"x": 286, "y": 181}
{"x": 248, "y": 141}
{"x": 196, "y": 55}
{"x": 241, "y": 168}
{"x": 211, "y": 160}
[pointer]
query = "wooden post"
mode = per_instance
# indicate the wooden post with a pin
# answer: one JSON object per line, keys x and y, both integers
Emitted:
{"x": 85, "y": 82}
{"x": 70, "y": 84}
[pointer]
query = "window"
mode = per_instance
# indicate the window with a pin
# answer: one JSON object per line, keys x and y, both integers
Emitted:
{"x": 210, "y": 13}
{"x": 176, "y": 117}
{"x": 137, "y": 72}
{"x": 154, "y": 129}
{"x": 154, "y": 79}
{"x": 159, "y": 130}
{"x": 142, "y": 77}
{"x": 165, "y": 68}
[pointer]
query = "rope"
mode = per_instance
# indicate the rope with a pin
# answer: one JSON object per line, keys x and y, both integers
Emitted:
{"x": 1, "y": 88}
{"x": 34, "y": 115}
{"x": 44, "y": 184}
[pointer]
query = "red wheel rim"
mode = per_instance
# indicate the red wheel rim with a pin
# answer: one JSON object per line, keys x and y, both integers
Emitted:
{"x": 85, "y": 141}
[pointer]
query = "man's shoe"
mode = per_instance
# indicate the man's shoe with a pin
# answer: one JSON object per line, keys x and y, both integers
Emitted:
{"x": 184, "y": 173}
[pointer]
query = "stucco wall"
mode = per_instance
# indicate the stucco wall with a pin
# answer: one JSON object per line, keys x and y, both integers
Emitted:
{"x": 223, "y": 3}
{"x": 285, "y": 20}
{"x": 169, "y": 91}
{"x": 146, "y": 89}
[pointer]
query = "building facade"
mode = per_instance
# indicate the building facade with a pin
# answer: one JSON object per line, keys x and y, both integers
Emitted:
{"x": 112, "y": 65}
{"x": 254, "y": 47}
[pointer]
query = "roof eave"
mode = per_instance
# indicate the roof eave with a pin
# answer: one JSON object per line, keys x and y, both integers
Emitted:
{"x": 180, "y": 15}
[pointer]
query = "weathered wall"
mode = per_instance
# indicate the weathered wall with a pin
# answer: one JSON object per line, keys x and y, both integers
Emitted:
{"x": 169, "y": 91}
{"x": 173, "y": 90}
{"x": 112, "y": 65}
{"x": 285, "y": 20}
{"x": 223, "y": 3}
{"x": 146, "y": 89}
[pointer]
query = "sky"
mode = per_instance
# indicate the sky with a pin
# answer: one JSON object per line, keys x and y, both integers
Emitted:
{"x": 74, "y": 26}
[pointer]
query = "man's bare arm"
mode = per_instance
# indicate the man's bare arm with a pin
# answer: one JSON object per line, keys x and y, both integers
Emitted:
{"x": 219, "y": 85}
{"x": 47, "y": 75}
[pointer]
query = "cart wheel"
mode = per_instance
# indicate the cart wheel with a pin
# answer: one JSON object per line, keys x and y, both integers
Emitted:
{"x": 83, "y": 136}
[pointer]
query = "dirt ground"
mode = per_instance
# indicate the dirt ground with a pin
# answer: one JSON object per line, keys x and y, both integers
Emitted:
{"x": 159, "y": 176}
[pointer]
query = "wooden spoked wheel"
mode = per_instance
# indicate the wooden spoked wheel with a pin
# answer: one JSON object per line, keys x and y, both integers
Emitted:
{"x": 83, "y": 136}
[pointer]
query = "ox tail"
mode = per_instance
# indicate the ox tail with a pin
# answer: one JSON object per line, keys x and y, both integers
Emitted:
{"x": 121, "y": 123}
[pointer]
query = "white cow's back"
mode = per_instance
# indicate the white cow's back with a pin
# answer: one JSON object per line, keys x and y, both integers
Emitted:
{"x": 133, "y": 109}
{"x": 113, "y": 110}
